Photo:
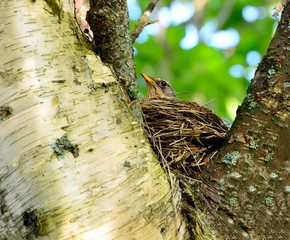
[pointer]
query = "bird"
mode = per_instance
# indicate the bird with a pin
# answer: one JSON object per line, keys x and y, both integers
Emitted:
{"x": 158, "y": 87}
{"x": 183, "y": 133}
{"x": 185, "y": 137}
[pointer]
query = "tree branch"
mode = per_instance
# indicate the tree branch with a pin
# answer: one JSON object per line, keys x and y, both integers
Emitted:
{"x": 144, "y": 20}
{"x": 251, "y": 170}
{"x": 109, "y": 22}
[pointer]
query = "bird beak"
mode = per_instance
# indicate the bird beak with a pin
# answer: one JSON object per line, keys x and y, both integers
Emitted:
{"x": 149, "y": 80}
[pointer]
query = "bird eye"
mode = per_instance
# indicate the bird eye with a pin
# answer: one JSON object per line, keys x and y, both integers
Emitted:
{"x": 163, "y": 83}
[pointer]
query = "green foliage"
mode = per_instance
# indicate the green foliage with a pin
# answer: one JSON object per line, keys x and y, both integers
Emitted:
{"x": 202, "y": 73}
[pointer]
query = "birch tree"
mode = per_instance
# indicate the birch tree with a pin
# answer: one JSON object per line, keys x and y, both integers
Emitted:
{"x": 75, "y": 162}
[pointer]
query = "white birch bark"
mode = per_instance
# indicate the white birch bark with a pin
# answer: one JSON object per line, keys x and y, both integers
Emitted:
{"x": 107, "y": 183}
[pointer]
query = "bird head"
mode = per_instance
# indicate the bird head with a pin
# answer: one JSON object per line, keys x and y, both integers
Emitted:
{"x": 157, "y": 87}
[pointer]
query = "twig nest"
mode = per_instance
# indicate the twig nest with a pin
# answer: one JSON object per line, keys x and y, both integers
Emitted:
{"x": 184, "y": 135}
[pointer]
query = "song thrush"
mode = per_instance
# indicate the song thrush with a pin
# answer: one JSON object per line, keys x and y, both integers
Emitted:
{"x": 184, "y": 134}
{"x": 158, "y": 87}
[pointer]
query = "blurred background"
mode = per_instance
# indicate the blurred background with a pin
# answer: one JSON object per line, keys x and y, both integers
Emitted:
{"x": 208, "y": 50}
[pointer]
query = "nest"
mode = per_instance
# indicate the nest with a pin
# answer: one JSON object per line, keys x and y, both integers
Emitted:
{"x": 184, "y": 135}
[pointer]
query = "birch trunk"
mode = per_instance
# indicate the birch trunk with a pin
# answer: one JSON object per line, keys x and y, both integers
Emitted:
{"x": 74, "y": 163}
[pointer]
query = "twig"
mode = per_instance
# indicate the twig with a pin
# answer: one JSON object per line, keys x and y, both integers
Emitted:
{"x": 279, "y": 7}
{"x": 144, "y": 20}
